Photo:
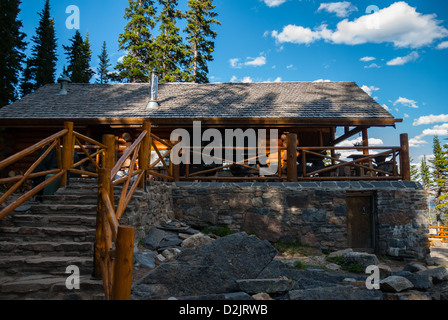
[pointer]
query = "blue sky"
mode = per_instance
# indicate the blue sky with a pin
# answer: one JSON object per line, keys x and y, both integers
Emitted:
{"x": 396, "y": 50}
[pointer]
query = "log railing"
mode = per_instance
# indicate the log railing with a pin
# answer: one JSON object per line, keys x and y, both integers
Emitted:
{"x": 440, "y": 233}
{"x": 114, "y": 245}
{"x": 44, "y": 147}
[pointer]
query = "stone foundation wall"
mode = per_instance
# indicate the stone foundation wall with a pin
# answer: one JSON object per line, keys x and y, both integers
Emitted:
{"x": 312, "y": 213}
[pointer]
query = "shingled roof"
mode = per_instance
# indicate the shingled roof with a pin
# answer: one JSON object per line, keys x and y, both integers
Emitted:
{"x": 182, "y": 101}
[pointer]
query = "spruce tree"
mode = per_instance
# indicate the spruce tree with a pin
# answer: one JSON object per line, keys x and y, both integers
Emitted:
{"x": 41, "y": 66}
{"x": 138, "y": 41}
{"x": 103, "y": 70}
{"x": 425, "y": 175}
{"x": 79, "y": 56}
{"x": 200, "y": 37}
{"x": 440, "y": 174}
{"x": 171, "y": 51}
{"x": 12, "y": 46}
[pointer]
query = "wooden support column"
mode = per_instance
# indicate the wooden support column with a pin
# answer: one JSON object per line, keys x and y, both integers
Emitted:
{"x": 365, "y": 141}
{"x": 145, "y": 153}
{"x": 405, "y": 162}
{"x": 100, "y": 243}
{"x": 109, "y": 159}
{"x": 123, "y": 264}
{"x": 68, "y": 152}
{"x": 292, "y": 157}
{"x": 332, "y": 138}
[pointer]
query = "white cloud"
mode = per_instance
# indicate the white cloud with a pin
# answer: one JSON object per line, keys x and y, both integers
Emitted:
{"x": 406, "y": 102}
{"x": 247, "y": 80}
{"x": 278, "y": 79}
{"x": 369, "y": 90}
{"x": 399, "y": 24}
{"x": 341, "y": 9}
{"x": 234, "y": 79}
{"x": 373, "y": 142}
{"x": 290, "y": 66}
{"x": 256, "y": 62}
{"x": 373, "y": 65}
{"x": 417, "y": 142}
{"x": 274, "y": 3}
{"x": 443, "y": 45}
{"x": 296, "y": 34}
{"x": 399, "y": 61}
{"x": 321, "y": 80}
{"x": 386, "y": 107}
{"x": 367, "y": 59}
{"x": 439, "y": 130}
{"x": 431, "y": 119}
{"x": 236, "y": 63}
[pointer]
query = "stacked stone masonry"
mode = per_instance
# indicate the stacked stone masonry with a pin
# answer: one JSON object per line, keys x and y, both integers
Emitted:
{"x": 313, "y": 213}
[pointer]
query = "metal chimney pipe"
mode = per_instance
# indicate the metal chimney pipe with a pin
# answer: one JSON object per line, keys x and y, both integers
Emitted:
{"x": 153, "y": 104}
{"x": 64, "y": 81}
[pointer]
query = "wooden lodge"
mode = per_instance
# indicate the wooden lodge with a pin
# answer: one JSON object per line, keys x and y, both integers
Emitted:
{"x": 306, "y": 115}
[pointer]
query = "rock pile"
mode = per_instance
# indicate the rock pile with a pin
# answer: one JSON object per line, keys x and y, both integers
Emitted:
{"x": 189, "y": 265}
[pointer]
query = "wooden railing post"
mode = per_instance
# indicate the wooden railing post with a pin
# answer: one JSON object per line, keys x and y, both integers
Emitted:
{"x": 68, "y": 144}
{"x": 123, "y": 264}
{"x": 145, "y": 153}
{"x": 292, "y": 157}
{"x": 109, "y": 159}
{"x": 405, "y": 162}
{"x": 100, "y": 244}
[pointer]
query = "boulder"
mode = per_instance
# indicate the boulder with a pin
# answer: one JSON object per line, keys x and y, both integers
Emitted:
{"x": 395, "y": 284}
{"x": 253, "y": 286}
{"x": 414, "y": 267}
{"x": 342, "y": 292}
{"x": 210, "y": 269}
{"x": 437, "y": 274}
{"x": 420, "y": 281}
{"x": 196, "y": 240}
{"x": 339, "y": 253}
{"x": 145, "y": 259}
{"x": 361, "y": 258}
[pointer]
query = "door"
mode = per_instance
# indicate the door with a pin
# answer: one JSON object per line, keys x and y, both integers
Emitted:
{"x": 360, "y": 221}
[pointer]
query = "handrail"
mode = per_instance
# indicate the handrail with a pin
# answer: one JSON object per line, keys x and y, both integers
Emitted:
{"x": 54, "y": 142}
{"x": 114, "y": 243}
{"x": 441, "y": 233}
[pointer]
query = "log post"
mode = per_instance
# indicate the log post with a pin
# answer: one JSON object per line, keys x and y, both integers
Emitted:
{"x": 292, "y": 157}
{"x": 145, "y": 153}
{"x": 109, "y": 158}
{"x": 365, "y": 141}
{"x": 100, "y": 244}
{"x": 124, "y": 254}
{"x": 68, "y": 149}
{"x": 405, "y": 162}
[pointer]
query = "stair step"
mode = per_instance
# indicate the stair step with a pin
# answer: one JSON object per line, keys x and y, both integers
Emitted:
{"x": 48, "y": 248}
{"x": 53, "y": 220}
{"x": 89, "y": 209}
{"x": 39, "y": 233}
{"x": 47, "y": 286}
{"x": 24, "y": 265}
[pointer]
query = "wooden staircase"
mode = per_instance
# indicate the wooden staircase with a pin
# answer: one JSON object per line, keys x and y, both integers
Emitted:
{"x": 41, "y": 239}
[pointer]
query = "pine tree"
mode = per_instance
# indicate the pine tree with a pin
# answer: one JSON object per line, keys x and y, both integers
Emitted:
{"x": 200, "y": 37}
{"x": 12, "y": 46}
{"x": 79, "y": 56}
{"x": 171, "y": 52}
{"x": 425, "y": 175}
{"x": 103, "y": 70}
{"x": 41, "y": 66}
{"x": 138, "y": 41}
{"x": 440, "y": 174}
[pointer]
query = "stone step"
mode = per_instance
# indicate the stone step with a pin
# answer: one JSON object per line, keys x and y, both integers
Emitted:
{"x": 23, "y": 234}
{"x": 52, "y": 220}
{"x": 81, "y": 209}
{"x": 29, "y": 265}
{"x": 47, "y": 248}
{"x": 42, "y": 286}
